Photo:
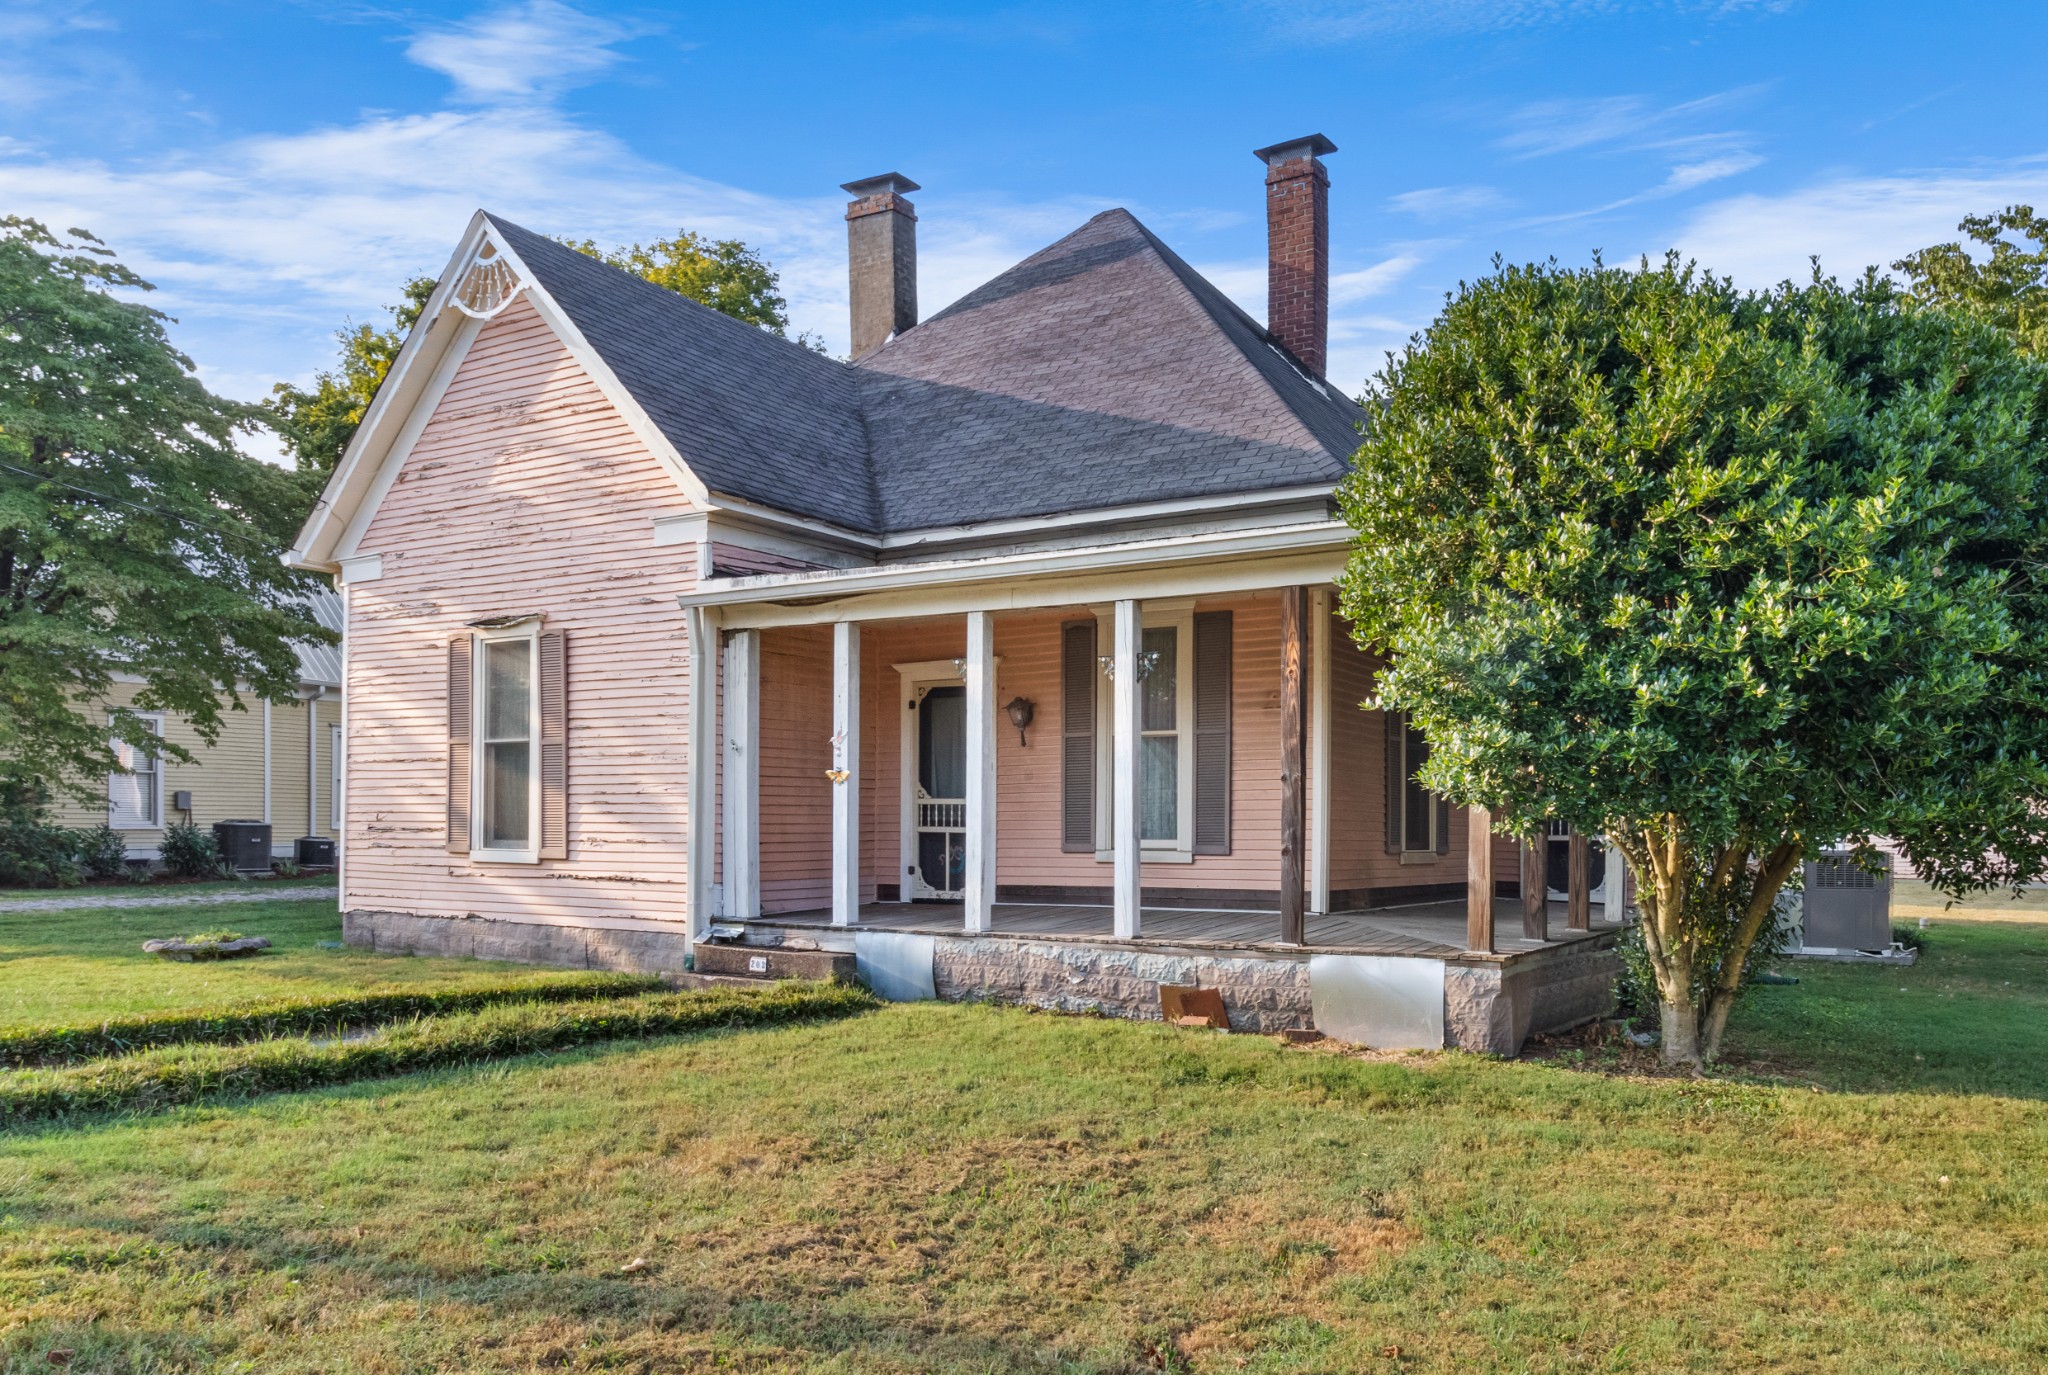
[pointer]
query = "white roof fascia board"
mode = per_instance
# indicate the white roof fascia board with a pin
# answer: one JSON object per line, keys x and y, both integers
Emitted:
{"x": 358, "y": 466}
{"x": 349, "y": 548}
{"x": 1193, "y": 565}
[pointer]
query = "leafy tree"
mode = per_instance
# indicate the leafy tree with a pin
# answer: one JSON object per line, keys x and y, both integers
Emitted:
{"x": 134, "y": 536}
{"x": 1726, "y": 577}
{"x": 318, "y": 423}
{"x": 724, "y": 274}
{"x": 2009, "y": 289}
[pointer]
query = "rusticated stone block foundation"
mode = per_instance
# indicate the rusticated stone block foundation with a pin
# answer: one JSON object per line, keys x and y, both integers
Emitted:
{"x": 1494, "y": 1008}
{"x": 648, "y": 948}
{"x": 1259, "y": 994}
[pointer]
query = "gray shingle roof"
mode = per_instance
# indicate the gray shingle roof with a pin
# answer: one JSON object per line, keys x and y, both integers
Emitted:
{"x": 1101, "y": 371}
{"x": 322, "y": 663}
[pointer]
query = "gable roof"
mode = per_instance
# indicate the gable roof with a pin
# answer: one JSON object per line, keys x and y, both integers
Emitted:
{"x": 1101, "y": 372}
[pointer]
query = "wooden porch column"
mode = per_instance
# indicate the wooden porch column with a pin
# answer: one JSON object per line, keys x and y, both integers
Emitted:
{"x": 981, "y": 772}
{"x": 1578, "y": 884}
{"x": 1126, "y": 733}
{"x": 1321, "y": 632}
{"x": 701, "y": 728}
{"x": 1479, "y": 879}
{"x": 743, "y": 775}
{"x": 1293, "y": 763}
{"x": 846, "y": 773}
{"x": 1535, "y": 889}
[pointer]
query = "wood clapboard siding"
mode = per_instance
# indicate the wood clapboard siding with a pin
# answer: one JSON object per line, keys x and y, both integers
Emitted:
{"x": 225, "y": 778}
{"x": 1358, "y": 793}
{"x": 526, "y": 493}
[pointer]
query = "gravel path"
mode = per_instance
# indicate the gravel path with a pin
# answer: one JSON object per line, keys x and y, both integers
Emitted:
{"x": 215, "y": 898}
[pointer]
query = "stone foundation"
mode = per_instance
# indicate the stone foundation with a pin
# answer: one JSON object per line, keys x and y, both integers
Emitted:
{"x": 1260, "y": 994}
{"x": 1494, "y": 1008}
{"x": 650, "y": 949}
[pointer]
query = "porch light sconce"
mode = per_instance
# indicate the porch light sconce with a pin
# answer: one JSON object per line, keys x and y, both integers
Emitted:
{"x": 1019, "y": 712}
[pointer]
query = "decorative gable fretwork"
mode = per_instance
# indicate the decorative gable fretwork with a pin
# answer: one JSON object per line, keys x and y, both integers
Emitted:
{"x": 487, "y": 283}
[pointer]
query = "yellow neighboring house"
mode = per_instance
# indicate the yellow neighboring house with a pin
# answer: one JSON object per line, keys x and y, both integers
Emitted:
{"x": 280, "y": 763}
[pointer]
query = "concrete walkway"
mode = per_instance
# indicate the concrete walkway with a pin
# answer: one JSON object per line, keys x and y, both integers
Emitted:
{"x": 263, "y": 892}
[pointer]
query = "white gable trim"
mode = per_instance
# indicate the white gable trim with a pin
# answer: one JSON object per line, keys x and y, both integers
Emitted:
{"x": 419, "y": 377}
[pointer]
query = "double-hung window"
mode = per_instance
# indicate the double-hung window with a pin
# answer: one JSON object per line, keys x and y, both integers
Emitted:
{"x": 135, "y": 792}
{"x": 1166, "y": 809}
{"x": 506, "y": 802}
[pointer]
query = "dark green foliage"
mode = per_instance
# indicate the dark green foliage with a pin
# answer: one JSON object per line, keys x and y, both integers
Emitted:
{"x": 34, "y": 851}
{"x": 1725, "y": 576}
{"x": 319, "y": 423}
{"x": 724, "y": 274}
{"x": 187, "y": 1074}
{"x": 190, "y": 852}
{"x": 102, "y": 852}
{"x": 2008, "y": 288}
{"x": 298, "y": 1016}
{"x": 134, "y": 535}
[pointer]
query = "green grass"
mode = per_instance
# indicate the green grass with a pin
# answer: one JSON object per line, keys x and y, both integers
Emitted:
{"x": 80, "y": 964}
{"x": 972, "y": 1189}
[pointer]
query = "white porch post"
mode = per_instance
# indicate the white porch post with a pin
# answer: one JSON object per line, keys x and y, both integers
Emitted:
{"x": 846, "y": 768}
{"x": 981, "y": 771}
{"x": 743, "y": 775}
{"x": 701, "y": 729}
{"x": 1320, "y": 633}
{"x": 1125, "y": 736}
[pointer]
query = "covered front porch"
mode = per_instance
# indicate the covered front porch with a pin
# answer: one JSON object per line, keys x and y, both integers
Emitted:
{"x": 1157, "y": 768}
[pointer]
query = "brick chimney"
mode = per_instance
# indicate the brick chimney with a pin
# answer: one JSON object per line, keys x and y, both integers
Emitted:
{"x": 881, "y": 259}
{"x": 1298, "y": 248}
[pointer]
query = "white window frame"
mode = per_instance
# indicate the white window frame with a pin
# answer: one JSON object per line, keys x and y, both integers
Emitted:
{"x": 1177, "y": 615}
{"x": 527, "y": 632}
{"x": 155, "y": 721}
{"x": 1429, "y": 851}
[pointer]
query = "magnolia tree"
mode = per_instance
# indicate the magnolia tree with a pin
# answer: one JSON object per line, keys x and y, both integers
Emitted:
{"x": 1727, "y": 577}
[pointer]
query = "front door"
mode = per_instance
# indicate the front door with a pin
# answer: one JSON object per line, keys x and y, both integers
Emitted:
{"x": 940, "y": 799}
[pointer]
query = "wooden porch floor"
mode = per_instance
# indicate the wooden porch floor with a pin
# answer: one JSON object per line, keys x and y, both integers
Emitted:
{"x": 1433, "y": 930}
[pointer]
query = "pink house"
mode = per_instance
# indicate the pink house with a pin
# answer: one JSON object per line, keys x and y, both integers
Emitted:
{"x": 1003, "y": 656}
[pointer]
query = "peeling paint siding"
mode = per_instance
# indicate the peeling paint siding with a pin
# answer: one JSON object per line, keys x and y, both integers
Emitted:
{"x": 526, "y": 492}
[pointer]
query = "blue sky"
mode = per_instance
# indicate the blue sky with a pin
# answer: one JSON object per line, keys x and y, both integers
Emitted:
{"x": 279, "y": 166}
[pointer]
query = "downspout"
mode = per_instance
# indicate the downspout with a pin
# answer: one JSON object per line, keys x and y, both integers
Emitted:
{"x": 313, "y": 761}
{"x": 266, "y": 763}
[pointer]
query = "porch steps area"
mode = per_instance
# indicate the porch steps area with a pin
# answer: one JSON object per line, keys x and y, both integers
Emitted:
{"x": 762, "y": 963}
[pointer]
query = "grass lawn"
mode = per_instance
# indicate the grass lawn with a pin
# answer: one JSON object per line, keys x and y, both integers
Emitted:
{"x": 84, "y": 963}
{"x": 973, "y": 1189}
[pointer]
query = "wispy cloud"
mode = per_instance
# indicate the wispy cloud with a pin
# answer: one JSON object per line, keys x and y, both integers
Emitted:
{"x": 1433, "y": 203}
{"x": 525, "y": 52}
{"x": 1545, "y": 128}
{"x": 1850, "y": 222}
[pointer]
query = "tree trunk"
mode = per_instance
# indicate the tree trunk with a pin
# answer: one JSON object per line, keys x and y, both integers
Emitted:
{"x": 1681, "y": 1027}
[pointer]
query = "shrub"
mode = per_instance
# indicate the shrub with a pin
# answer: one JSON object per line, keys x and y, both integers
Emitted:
{"x": 102, "y": 852}
{"x": 189, "y": 852}
{"x": 188, "y": 1074}
{"x": 28, "y": 1045}
{"x": 33, "y": 852}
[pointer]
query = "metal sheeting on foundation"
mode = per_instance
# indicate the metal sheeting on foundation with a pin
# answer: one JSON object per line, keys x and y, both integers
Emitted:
{"x": 1388, "y": 1002}
{"x": 896, "y": 965}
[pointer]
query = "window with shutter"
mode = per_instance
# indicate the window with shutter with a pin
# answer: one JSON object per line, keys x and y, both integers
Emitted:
{"x": 1212, "y": 733}
{"x": 516, "y": 721}
{"x": 1418, "y": 821}
{"x": 461, "y": 694}
{"x": 1077, "y": 737}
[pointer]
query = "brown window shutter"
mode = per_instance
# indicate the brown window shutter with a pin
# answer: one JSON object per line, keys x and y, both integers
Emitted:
{"x": 1397, "y": 790}
{"x": 554, "y": 746}
{"x": 1443, "y": 825}
{"x": 1077, "y": 737}
{"x": 1212, "y": 733}
{"x": 461, "y": 661}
